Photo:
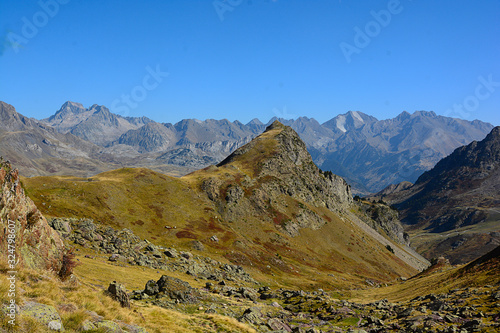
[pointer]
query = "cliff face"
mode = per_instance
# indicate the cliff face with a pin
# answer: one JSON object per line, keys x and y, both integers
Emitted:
{"x": 37, "y": 245}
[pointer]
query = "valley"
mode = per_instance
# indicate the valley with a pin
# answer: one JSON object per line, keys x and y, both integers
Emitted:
{"x": 262, "y": 241}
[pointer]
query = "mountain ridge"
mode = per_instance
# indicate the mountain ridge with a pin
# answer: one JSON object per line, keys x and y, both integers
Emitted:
{"x": 459, "y": 197}
{"x": 370, "y": 154}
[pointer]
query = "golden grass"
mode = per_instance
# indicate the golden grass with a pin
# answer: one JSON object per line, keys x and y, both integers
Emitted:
{"x": 145, "y": 202}
{"x": 74, "y": 301}
{"x": 435, "y": 283}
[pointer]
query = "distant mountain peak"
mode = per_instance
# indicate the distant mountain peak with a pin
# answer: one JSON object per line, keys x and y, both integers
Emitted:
{"x": 72, "y": 107}
{"x": 275, "y": 125}
{"x": 422, "y": 113}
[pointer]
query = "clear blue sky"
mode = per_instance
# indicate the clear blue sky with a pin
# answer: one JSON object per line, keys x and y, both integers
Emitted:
{"x": 253, "y": 58}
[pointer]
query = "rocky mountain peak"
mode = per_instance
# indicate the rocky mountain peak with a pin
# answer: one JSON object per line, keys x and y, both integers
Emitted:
{"x": 280, "y": 157}
{"x": 275, "y": 125}
{"x": 73, "y": 107}
{"x": 10, "y": 120}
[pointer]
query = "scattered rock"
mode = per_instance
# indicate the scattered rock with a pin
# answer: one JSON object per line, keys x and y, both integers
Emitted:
{"x": 119, "y": 294}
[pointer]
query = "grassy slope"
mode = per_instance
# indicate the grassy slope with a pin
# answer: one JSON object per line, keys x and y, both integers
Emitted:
{"x": 440, "y": 279}
{"x": 74, "y": 298}
{"x": 145, "y": 202}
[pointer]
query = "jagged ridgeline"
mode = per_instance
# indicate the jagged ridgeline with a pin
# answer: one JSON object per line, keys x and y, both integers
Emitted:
{"x": 266, "y": 207}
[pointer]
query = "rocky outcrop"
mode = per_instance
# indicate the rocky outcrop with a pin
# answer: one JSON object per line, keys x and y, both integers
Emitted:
{"x": 273, "y": 167}
{"x": 123, "y": 246}
{"x": 384, "y": 219}
{"x": 45, "y": 314}
{"x": 25, "y": 235}
{"x": 173, "y": 289}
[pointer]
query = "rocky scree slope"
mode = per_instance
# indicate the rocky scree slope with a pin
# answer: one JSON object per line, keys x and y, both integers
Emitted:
{"x": 459, "y": 198}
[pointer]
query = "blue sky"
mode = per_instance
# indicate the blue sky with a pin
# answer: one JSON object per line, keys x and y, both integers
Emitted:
{"x": 236, "y": 59}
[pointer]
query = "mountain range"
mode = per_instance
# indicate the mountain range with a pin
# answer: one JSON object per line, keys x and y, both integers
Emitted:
{"x": 453, "y": 209}
{"x": 369, "y": 153}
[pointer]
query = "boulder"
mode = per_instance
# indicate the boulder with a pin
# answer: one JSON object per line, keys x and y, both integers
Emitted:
{"x": 171, "y": 253}
{"x": 177, "y": 289}
{"x": 277, "y": 325}
{"x": 151, "y": 288}
{"x": 108, "y": 326}
{"x": 44, "y": 314}
{"x": 119, "y": 294}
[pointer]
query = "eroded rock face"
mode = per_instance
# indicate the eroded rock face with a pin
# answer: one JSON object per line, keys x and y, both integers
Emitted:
{"x": 36, "y": 245}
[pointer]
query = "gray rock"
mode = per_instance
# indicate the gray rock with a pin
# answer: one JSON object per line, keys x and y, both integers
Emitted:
{"x": 108, "y": 326}
{"x": 87, "y": 325}
{"x": 119, "y": 294}
{"x": 277, "y": 325}
{"x": 151, "y": 288}
{"x": 44, "y": 314}
{"x": 177, "y": 289}
{"x": 55, "y": 325}
{"x": 171, "y": 253}
{"x": 252, "y": 315}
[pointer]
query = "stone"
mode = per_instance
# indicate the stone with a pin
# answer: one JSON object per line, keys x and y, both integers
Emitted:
{"x": 114, "y": 257}
{"x": 151, "y": 288}
{"x": 186, "y": 255}
{"x": 44, "y": 314}
{"x": 38, "y": 245}
{"x": 171, "y": 253}
{"x": 252, "y": 315}
{"x": 119, "y": 294}
{"x": 133, "y": 328}
{"x": 55, "y": 325}
{"x": 87, "y": 325}
{"x": 177, "y": 289}
{"x": 108, "y": 326}
{"x": 197, "y": 245}
{"x": 277, "y": 325}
